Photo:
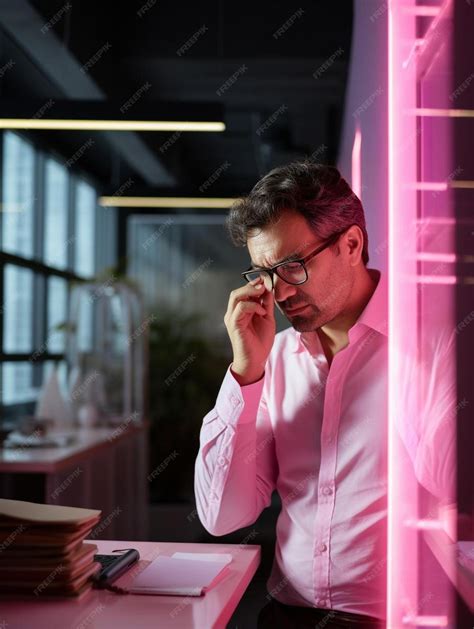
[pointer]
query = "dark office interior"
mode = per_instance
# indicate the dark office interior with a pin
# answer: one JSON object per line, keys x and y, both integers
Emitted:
{"x": 115, "y": 262}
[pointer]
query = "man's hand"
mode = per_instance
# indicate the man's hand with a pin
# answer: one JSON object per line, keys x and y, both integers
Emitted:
{"x": 250, "y": 323}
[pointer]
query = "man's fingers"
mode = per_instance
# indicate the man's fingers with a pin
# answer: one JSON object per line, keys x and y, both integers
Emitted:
{"x": 244, "y": 308}
{"x": 268, "y": 302}
{"x": 249, "y": 292}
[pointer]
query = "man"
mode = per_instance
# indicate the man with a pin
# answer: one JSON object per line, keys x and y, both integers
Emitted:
{"x": 303, "y": 412}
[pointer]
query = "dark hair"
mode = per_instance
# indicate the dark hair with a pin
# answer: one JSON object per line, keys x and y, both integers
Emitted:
{"x": 317, "y": 191}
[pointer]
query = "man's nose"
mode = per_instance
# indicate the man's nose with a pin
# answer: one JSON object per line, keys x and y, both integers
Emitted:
{"x": 282, "y": 290}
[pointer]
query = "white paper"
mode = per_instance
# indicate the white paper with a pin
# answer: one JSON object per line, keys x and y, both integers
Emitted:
{"x": 179, "y": 576}
{"x": 222, "y": 557}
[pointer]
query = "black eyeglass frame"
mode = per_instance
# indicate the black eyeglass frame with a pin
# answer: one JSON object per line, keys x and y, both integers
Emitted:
{"x": 303, "y": 261}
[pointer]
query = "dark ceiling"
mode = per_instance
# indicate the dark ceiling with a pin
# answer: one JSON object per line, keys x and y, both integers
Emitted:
{"x": 141, "y": 52}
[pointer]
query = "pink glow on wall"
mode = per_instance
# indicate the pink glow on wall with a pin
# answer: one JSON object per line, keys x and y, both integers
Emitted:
{"x": 356, "y": 163}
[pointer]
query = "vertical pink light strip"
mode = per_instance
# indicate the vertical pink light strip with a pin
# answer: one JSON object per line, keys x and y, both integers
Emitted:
{"x": 415, "y": 316}
{"x": 402, "y": 543}
{"x": 391, "y": 356}
{"x": 356, "y": 162}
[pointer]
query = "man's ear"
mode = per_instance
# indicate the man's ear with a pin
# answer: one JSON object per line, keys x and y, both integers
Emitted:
{"x": 354, "y": 241}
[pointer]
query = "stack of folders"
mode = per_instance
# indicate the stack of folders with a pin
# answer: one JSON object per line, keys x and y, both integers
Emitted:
{"x": 42, "y": 550}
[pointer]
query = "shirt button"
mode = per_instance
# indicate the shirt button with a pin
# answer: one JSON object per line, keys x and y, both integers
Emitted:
{"x": 327, "y": 491}
{"x": 221, "y": 460}
{"x": 322, "y": 547}
{"x": 234, "y": 400}
{"x": 321, "y": 602}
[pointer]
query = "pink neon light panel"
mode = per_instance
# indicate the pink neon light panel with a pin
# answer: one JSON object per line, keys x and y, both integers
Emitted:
{"x": 426, "y": 585}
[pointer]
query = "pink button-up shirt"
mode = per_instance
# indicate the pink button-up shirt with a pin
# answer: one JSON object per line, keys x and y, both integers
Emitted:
{"x": 318, "y": 437}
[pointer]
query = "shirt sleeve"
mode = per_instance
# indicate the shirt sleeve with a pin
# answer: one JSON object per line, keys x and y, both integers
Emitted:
{"x": 235, "y": 469}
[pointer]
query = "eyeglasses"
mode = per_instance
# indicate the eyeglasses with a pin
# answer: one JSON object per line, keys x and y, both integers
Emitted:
{"x": 293, "y": 271}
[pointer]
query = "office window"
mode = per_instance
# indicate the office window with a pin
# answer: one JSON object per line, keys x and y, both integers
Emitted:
{"x": 48, "y": 214}
{"x": 17, "y": 381}
{"x": 57, "y": 313}
{"x": 18, "y": 310}
{"x": 86, "y": 330}
{"x": 56, "y": 209}
{"x": 84, "y": 240}
{"x": 18, "y": 196}
{"x": 106, "y": 237}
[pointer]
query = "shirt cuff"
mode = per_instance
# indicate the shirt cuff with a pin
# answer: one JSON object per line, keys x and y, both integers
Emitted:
{"x": 237, "y": 404}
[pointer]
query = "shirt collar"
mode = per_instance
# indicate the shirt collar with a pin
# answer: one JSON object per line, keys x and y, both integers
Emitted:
{"x": 374, "y": 315}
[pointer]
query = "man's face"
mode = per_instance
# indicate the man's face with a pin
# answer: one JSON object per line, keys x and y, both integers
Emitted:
{"x": 330, "y": 276}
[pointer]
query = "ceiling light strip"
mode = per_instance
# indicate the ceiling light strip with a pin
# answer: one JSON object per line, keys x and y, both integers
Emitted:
{"x": 167, "y": 202}
{"x": 110, "y": 125}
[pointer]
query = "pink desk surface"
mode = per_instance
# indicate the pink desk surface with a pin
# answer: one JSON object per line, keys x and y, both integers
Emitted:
{"x": 105, "y": 610}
